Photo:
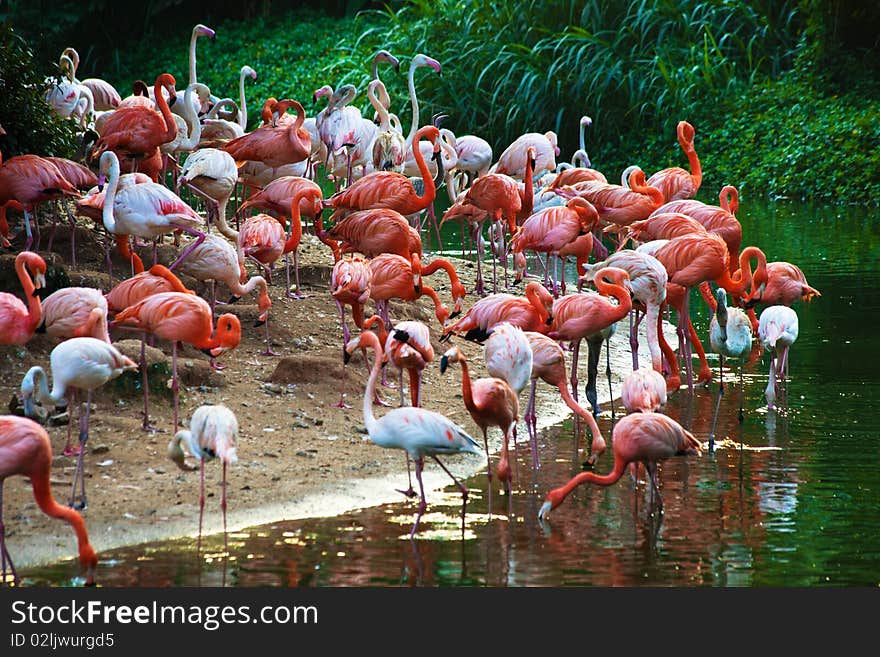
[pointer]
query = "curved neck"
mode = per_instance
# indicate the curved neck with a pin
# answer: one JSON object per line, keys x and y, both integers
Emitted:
{"x": 242, "y": 108}
{"x": 582, "y": 141}
{"x": 384, "y": 118}
{"x": 430, "y": 191}
{"x": 693, "y": 162}
{"x": 537, "y": 304}
{"x": 40, "y": 385}
{"x": 445, "y": 265}
{"x": 375, "y": 320}
{"x": 322, "y": 236}
{"x": 440, "y": 310}
{"x": 467, "y": 392}
{"x": 110, "y": 197}
{"x": 559, "y": 494}
{"x": 192, "y": 121}
{"x": 48, "y": 505}
{"x": 580, "y": 411}
{"x": 619, "y": 292}
{"x": 370, "y": 419}
{"x": 637, "y": 184}
{"x": 295, "y": 236}
{"x": 728, "y": 198}
{"x": 162, "y": 104}
{"x": 35, "y": 308}
{"x": 414, "y": 102}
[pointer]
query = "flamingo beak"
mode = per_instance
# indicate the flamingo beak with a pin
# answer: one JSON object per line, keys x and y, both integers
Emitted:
{"x": 259, "y": 322}
{"x": 101, "y": 180}
{"x": 233, "y": 298}
{"x": 444, "y": 363}
{"x": 544, "y": 511}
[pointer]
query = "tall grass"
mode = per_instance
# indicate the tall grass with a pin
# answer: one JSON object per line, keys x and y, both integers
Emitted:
{"x": 633, "y": 67}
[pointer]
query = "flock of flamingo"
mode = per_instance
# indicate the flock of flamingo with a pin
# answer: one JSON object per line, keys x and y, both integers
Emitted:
{"x": 150, "y": 146}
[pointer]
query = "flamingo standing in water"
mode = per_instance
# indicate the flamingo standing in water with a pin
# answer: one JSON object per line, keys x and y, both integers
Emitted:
{"x": 674, "y": 182}
{"x": 585, "y": 314}
{"x": 730, "y": 334}
{"x": 643, "y": 391}
{"x": 212, "y": 433}
{"x": 491, "y": 402}
{"x": 77, "y": 364}
{"x": 418, "y": 431}
{"x": 641, "y": 437}
{"x": 508, "y": 355}
{"x": 25, "y": 450}
{"x": 514, "y": 161}
{"x": 180, "y": 317}
{"x": 548, "y": 364}
{"x": 18, "y": 321}
{"x": 777, "y": 331}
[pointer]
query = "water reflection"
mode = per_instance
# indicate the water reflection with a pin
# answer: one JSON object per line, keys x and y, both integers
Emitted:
{"x": 789, "y": 498}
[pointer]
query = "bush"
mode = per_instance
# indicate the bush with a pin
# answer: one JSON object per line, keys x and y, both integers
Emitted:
{"x": 31, "y": 127}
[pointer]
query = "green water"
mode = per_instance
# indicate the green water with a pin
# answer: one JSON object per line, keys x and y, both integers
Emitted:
{"x": 804, "y": 513}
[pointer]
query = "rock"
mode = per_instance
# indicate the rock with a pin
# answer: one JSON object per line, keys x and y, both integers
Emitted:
{"x": 273, "y": 388}
{"x": 100, "y": 449}
{"x": 305, "y": 368}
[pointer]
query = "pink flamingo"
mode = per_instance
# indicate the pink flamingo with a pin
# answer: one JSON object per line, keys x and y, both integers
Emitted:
{"x": 675, "y": 183}
{"x": 641, "y": 437}
{"x": 17, "y": 321}
{"x": 418, "y": 431}
{"x": 274, "y": 145}
{"x": 25, "y": 450}
{"x": 491, "y": 402}
{"x": 643, "y": 391}
{"x": 548, "y": 364}
{"x": 533, "y": 312}
{"x": 75, "y": 312}
{"x": 350, "y": 284}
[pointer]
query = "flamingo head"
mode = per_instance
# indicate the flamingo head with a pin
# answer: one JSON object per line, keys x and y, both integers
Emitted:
{"x": 554, "y": 499}
{"x": 264, "y": 303}
{"x": 685, "y": 132}
{"x": 424, "y": 60}
{"x": 551, "y": 137}
{"x": 519, "y": 266}
{"x": 247, "y": 70}
{"x": 452, "y": 355}
{"x": 586, "y": 121}
{"x": 387, "y": 57}
{"x": 203, "y": 30}
{"x": 227, "y": 334}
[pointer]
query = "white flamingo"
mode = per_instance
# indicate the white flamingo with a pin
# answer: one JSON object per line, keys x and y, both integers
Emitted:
{"x": 777, "y": 331}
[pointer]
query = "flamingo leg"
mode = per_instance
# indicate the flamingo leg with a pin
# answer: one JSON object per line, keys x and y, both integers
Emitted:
{"x": 27, "y": 229}
{"x": 5, "y": 557}
{"x": 201, "y": 508}
{"x": 718, "y": 402}
{"x": 296, "y": 294}
{"x": 223, "y": 508}
{"x": 634, "y": 322}
{"x": 608, "y": 375}
{"x": 531, "y": 424}
{"x": 200, "y": 237}
{"x": 345, "y": 336}
{"x": 594, "y": 351}
{"x": 651, "y": 467}
{"x": 71, "y": 404}
{"x": 174, "y": 384}
{"x": 420, "y": 463}
{"x": 268, "y": 351}
{"x": 79, "y": 472}
{"x": 145, "y": 384}
{"x": 459, "y": 485}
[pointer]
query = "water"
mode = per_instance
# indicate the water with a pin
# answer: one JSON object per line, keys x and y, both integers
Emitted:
{"x": 799, "y": 506}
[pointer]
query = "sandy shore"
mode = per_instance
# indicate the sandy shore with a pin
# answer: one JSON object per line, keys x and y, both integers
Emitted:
{"x": 300, "y": 456}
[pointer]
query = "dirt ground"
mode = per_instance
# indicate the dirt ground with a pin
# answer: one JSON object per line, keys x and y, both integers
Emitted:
{"x": 299, "y": 455}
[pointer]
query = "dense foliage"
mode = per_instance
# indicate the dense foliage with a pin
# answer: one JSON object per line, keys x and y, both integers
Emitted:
{"x": 29, "y": 126}
{"x": 783, "y": 95}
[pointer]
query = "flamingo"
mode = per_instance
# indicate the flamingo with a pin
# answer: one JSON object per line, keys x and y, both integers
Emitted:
{"x": 675, "y": 183}
{"x": 508, "y": 355}
{"x": 719, "y": 219}
{"x": 641, "y": 437}
{"x": 643, "y": 391}
{"x": 491, "y": 402}
{"x": 513, "y": 161}
{"x": 273, "y": 145}
{"x": 349, "y": 131}
{"x": 211, "y": 174}
{"x": 394, "y": 278}
{"x": 647, "y": 285}
{"x": 17, "y": 321}
{"x": 389, "y": 189}
{"x": 389, "y": 145}
{"x": 217, "y": 132}
{"x": 786, "y": 284}
{"x": 75, "y": 312}
{"x": 246, "y": 71}
{"x": 25, "y": 450}
{"x": 30, "y": 180}
{"x": 456, "y": 286}
{"x": 77, "y": 364}
{"x": 418, "y": 431}
{"x": 663, "y": 226}
{"x": 212, "y": 433}
{"x": 83, "y": 179}
{"x": 350, "y": 284}
{"x": 413, "y": 138}
{"x": 146, "y": 210}
{"x": 530, "y": 313}
{"x": 777, "y": 330}
{"x": 585, "y": 314}
{"x": 134, "y": 134}
{"x": 383, "y": 56}
{"x": 730, "y": 334}
{"x": 617, "y": 204}
{"x": 104, "y": 95}
{"x": 552, "y": 229}
{"x": 548, "y": 364}
{"x": 376, "y": 231}
{"x": 216, "y": 260}
{"x": 181, "y": 317}
{"x": 474, "y": 156}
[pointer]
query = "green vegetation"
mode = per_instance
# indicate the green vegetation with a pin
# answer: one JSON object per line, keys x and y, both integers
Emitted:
{"x": 29, "y": 127}
{"x": 783, "y": 95}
